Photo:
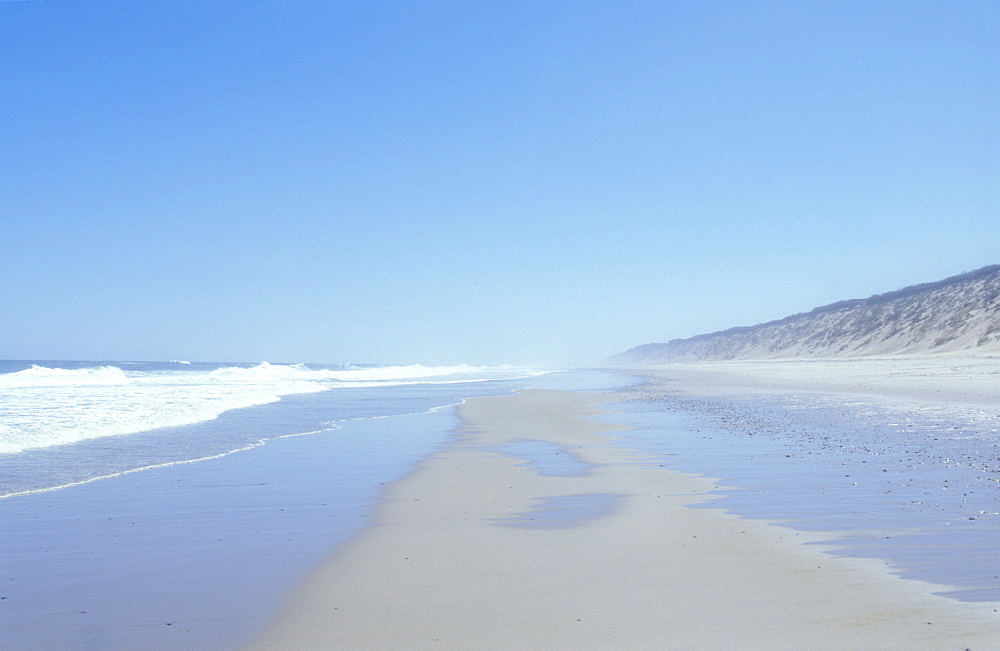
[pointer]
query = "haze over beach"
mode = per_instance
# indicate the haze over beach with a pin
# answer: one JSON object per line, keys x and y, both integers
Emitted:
{"x": 327, "y": 325}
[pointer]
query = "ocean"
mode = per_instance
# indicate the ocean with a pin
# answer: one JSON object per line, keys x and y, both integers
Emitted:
{"x": 69, "y": 422}
{"x": 173, "y": 504}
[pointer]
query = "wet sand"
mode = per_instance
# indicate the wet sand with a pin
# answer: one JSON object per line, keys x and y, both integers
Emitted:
{"x": 480, "y": 548}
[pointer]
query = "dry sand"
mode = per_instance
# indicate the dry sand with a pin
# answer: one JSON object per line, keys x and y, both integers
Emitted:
{"x": 441, "y": 569}
{"x": 960, "y": 379}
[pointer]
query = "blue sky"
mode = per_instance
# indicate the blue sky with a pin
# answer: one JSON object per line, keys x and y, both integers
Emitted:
{"x": 484, "y": 182}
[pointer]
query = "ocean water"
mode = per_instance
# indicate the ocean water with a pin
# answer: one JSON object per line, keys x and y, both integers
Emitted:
{"x": 173, "y": 505}
{"x": 68, "y": 422}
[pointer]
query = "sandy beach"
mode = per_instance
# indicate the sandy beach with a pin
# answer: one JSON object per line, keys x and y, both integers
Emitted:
{"x": 478, "y": 548}
{"x": 952, "y": 379}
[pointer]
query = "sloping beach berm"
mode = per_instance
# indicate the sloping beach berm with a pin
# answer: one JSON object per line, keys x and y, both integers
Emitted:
{"x": 465, "y": 554}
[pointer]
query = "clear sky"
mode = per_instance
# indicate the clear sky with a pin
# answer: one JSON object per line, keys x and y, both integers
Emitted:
{"x": 427, "y": 181}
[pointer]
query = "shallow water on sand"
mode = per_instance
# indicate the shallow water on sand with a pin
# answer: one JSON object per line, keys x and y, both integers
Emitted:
{"x": 194, "y": 555}
{"x": 915, "y": 484}
{"x": 547, "y": 459}
{"x": 200, "y": 555}
{"x": 562, "y": 511}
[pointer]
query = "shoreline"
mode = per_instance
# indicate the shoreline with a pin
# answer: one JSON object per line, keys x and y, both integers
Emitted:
{"x": 197, "y": 555}
{"x": 466, "y": 552}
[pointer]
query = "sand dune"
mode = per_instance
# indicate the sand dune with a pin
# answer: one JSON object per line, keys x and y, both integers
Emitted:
{"x": 956, "y": 314}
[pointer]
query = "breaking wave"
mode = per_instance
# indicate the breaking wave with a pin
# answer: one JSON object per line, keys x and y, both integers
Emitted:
{"x": 50, "y": 406}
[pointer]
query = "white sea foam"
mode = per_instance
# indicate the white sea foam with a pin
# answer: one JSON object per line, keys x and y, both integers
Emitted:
{"x": 365, "y": 375}
{"x": 41, "y": 376}
{"x": 46, "y": 407}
